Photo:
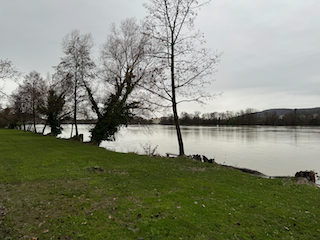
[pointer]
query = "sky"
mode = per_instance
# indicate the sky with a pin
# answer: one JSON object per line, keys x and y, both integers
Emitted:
{"x": 271, "y": 48}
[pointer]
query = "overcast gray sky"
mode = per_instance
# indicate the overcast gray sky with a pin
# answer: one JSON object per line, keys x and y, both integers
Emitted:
{"x": 271, "y": 47}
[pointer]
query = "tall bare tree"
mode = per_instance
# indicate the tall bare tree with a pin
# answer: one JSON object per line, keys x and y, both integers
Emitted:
{"x": 184, "y": 67}
{"x": 125, "y": 65}
{"x": 76, "y": 67}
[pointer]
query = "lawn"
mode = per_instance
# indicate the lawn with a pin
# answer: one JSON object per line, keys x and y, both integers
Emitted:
{"x": 61, "y": 189}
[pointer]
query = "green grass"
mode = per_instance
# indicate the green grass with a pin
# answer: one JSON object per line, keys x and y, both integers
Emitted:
{"x": 46, "y": 192}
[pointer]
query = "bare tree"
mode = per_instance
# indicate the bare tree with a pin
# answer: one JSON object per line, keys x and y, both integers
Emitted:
{"x": 125, "y": 65}
{"x": 75, "y": 68}
{"x": 29, "y": 97}
{"x": 183, "y": 68}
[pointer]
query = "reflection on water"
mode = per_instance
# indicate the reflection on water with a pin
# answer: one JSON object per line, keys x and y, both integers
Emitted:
{"x": 270, "y": 150}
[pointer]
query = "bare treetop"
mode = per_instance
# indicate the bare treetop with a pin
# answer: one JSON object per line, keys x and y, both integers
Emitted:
{"x": 125, "y": 52}
{"x": 7, "y": 70}
{"x": 171, "y": 23}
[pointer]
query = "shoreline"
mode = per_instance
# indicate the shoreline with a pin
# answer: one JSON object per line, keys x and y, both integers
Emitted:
{"x": 259, "y": 174}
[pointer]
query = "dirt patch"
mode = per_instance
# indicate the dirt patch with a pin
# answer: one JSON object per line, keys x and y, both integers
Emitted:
{"x": 96, "y": 169}
{"x": 3, "y": 213}
{"x": 119, "y": 172}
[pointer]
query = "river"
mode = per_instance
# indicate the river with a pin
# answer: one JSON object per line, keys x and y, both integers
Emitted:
{"x": 274, "y": 151}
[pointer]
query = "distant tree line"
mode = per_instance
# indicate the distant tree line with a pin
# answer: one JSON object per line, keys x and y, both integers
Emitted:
{"x": 294, "y": 117}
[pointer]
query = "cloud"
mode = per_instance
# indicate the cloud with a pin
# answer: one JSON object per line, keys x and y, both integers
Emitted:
{"x": 269, "y": 47}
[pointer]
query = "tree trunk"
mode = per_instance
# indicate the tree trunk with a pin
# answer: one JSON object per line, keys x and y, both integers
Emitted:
{"x": 75, "y": 109}
{"x": 34, "y": 121}
{"x": 44, "y": 128}
{"x": 174, "y": 102}
{"x": 71, "y": 130}
{"x": 75, "y": 119}
{"x": 177, "y": 124}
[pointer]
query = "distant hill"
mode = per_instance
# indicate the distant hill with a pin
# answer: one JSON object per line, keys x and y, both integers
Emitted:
{"x": 283, "y": 111}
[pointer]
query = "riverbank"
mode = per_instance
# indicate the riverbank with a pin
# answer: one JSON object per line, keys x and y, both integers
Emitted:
{"x": 55, "y": 188}
{"x": 302, "y": 177}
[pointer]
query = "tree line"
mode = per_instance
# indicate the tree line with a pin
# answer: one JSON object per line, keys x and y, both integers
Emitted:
{"x": 250, "y": 116}
{"x": 142, "y": 67}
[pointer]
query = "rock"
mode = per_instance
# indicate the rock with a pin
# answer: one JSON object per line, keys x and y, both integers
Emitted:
{"x": 211, "y": 160}
{"x": 197, "y": 157}
{"x": 310, "y": 176}
{"x": 201, "y": 158}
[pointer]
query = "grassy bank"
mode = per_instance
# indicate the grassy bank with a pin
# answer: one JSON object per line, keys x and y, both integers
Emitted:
{"x": 49, "y": 189}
